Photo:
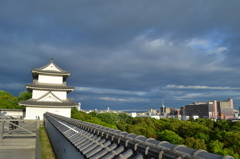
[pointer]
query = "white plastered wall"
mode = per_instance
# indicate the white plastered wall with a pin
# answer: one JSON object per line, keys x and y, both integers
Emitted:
{"x": 50, "y": 79}
{"x": 60, "y": 94}
{"x": 33, "y": 113}
{"x": 49, "y": 98}
{"x": 37, "y": 94}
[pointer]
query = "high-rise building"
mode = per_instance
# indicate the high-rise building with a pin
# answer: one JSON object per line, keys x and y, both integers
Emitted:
{"x": 49, "y": 93}
{"x": 212, "y": 109}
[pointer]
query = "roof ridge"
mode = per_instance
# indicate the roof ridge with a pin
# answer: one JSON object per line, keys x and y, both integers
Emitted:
{"x": 51, "y": 62}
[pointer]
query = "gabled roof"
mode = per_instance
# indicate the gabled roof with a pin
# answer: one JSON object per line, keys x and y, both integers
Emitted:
{"x": 49, "y": 97}
{"x": 50, "y": 69}
{"x": 48, "y": 100}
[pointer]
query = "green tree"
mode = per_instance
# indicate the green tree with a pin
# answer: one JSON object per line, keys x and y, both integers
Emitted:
{"x": 145, "y": 122}
{"x": 202, "y": 136}
{"x": 8, "y": 101}
{"x": 170, "y": 136}
{"x": 93, "y": 114}
{"x": 125, "y": 117}
{"x": 222, "y": 124}
{"x": 188, "y": 129}
{"x": 235, "y": 127}
{"x": 79, "y": 115}
{"x": 229, "y": 151}
{"x": 24, "y": 95}
{"x": 110, "y": 118}
{"x": 209, "y": 123}
{"x": 88, "y": 118}
{"x": 121, "y": 125}
{"x": 195, "y": 143}
{"x": 139, "y": 130}
{"x": 200, "y": 121}
{"x": 215, "y": 147}
{"x": 232, "y": 140}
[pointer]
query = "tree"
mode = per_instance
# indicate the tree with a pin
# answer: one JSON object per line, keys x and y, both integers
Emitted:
{"x": 139, "y": 130}
{"x": 209, "y": 123}
{"x": 200, "y": 121}
{"x": 88, "y": 118}
{"x": 189, "y": 129}
{"x": 222, "y": 124}
{"x": 227, "y": 151}
{"x": 202, "y": 136}
{"x": 215, "y": 147}
{"x": 121, "y": 125}
{"x": 235, "y": 127}
{"x": 170, "y": 136}
{"x": 125, "y": 117}
{"x": 8, "y": 101}
{"x": 110, "y": 118}
{"x": 232, "y": 139}
{"x": 195, "y": 143}
{"x": 93, "y": 114}
{"x": 24, "y": 95}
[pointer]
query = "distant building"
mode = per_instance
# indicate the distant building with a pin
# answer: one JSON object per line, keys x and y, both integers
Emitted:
{"x": 165, "y": 110}
{"x": 133, "y": 114}
{"x": 174, "y": 111}
{"x": 49, "y": 93}
{"x": 213, "y": 109}
{"x": 225, "y": 109}
{"x": 153, "y": 112}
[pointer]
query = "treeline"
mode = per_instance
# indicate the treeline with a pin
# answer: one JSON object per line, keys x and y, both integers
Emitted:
{"x": 221, "y": 137}
{"x": 8, "y": 101}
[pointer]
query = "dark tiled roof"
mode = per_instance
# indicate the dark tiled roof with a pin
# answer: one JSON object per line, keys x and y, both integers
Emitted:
{"x": 48, "y": 72}
{"x": 34, "y": 103}
{"x": 42, "y": 86}
{"x": 60, "y": 72}
{"x": 94, "y": 141}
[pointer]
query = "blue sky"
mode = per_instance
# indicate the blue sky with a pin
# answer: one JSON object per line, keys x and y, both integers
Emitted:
{"x": 125, "y": 54}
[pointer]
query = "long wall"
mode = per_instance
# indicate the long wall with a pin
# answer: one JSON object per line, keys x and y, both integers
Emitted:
{"x": 63, "y": 149}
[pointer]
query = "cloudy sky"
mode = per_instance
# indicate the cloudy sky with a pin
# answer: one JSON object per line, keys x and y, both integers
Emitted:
{"x": 128, "y": 54}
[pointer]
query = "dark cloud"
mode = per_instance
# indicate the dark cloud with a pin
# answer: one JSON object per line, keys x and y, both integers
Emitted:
{"x": 127, "y": 53}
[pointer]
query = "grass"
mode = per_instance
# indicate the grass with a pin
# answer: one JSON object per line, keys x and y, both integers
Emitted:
{"x": 46, "y": 148}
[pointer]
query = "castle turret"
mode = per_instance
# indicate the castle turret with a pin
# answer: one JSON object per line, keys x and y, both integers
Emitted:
{"x": 49, "y": 92}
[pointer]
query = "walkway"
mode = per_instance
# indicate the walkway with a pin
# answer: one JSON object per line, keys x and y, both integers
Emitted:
{"x": 19, "y": 142}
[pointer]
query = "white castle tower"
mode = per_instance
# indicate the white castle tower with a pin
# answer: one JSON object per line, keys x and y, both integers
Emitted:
{"x": 49, "y": 92}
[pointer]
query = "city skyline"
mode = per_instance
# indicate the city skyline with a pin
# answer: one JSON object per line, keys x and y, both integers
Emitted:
{"x": 126, "y": 54}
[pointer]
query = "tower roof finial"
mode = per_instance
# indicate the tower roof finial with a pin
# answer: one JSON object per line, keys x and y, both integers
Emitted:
{"x": 51, "y": 60}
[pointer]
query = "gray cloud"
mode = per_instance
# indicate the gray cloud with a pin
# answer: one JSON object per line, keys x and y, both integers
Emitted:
{"x": 126, "y": 53}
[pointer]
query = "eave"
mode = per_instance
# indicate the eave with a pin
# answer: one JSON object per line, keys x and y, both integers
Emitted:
{"x": 49, "y": 87}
